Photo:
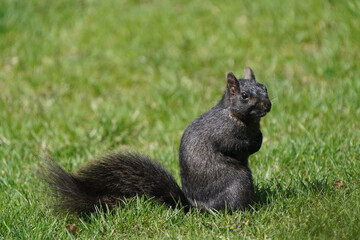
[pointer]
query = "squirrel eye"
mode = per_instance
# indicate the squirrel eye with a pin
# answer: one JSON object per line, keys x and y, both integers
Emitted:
{"x": 244, "y": 95}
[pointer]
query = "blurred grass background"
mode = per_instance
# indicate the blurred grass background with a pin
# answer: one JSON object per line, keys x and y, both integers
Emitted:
{"x": 82, "y": 77}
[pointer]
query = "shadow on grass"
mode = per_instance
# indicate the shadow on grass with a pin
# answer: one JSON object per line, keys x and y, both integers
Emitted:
{"x": 274, "y": 190}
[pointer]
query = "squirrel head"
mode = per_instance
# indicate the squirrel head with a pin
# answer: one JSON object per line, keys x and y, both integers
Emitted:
{"x": 247, "y": 99}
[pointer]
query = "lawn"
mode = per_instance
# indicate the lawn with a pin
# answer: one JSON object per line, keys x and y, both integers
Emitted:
{"x": 80, "y": 78}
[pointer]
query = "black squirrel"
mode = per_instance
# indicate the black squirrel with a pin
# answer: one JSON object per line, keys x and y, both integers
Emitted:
{"x": 213, "y": 155}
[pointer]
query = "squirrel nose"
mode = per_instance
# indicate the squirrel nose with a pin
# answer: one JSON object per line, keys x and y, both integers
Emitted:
{"x": 267, "y": 106}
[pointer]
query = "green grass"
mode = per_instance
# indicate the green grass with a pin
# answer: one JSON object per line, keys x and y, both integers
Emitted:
{"x": 81, "y": 77}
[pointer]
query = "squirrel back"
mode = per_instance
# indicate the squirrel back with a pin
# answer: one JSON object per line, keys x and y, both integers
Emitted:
{"x": 213, "y": 157}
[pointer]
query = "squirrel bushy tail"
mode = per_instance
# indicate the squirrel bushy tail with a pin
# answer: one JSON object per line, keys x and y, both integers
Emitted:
{"x": 109, "y": 180}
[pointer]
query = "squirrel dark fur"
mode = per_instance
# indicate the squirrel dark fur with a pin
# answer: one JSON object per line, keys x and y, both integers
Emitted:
{"x": 213, "y": 155}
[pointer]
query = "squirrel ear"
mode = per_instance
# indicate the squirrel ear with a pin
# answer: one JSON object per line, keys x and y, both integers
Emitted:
{"x": 232, "y": 83}
{"x": 249, "y": 74}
